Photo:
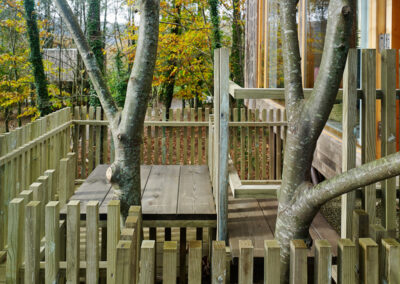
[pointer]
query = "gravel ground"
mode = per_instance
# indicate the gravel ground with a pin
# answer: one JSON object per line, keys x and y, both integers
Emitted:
{"x": 332, "y": 212}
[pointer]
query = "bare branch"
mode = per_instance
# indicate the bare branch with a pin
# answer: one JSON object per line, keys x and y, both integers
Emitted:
{"x": 89, "y": 59}
{"x": 139, "y": 85}
{"x": 333, "y": 61}
{"x": 291, "y": 57}
{"x": 364, "y": 175}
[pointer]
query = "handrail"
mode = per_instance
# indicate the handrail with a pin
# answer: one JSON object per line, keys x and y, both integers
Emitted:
{"x": 238, "y": 92}
{"x": 4, "y": 159}
{"x": 187, "y": 123}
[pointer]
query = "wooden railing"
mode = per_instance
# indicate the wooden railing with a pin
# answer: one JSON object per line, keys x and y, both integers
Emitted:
{"x": 26, "y": 153}
{"x": 34, "y": 223}
{"x": 183, "y": 139}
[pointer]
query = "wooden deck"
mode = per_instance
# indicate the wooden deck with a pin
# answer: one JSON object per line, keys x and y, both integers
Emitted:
{"x": 174, "y": 196}
{"x": 169, "y": 193}
{"x": 254, "y": 219}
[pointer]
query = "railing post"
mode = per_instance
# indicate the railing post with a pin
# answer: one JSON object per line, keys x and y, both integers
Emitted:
{"x": 388, "y": 136}
{"x": 368, "y": 125}
{"x": 221, "y": 137}
{"x": 349, "y": 123}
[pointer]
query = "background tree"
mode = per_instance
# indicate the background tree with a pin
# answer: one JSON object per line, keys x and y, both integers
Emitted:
{"x": 299, "y": 200}
{"x": 127, "y": 125}
{"x": 95, "y": 40}
{"x": 215, "y": 20}
{"x": 36, "y": 58}
{"x": 237, "y": 54}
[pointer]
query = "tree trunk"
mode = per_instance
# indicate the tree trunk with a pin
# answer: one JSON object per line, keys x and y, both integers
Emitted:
{"x": 237, "y": 45}
{"x": 36, "y": 58}
{"x": 126, "y": 126}
{"x": 299, "y": 200}
{"x": 167, "y": 88}
{"x": 216, "y": 31}
{"x": 95, "y": 42}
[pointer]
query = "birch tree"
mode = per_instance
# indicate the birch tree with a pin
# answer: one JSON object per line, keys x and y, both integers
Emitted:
{"x": 127, "y": 125}
{"x": 299, "y": 200}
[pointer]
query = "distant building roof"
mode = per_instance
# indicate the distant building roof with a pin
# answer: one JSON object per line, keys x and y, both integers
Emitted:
{"x": 64, "y": 60}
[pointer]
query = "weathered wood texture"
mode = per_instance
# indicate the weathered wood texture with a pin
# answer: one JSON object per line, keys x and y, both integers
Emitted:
{"x": 26, "y": 153}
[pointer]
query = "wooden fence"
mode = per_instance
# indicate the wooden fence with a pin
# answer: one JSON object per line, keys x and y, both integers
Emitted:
{"x": 183, "y": 139}
{"x": 42, "y": 248}
{"x": 25, "y": 155}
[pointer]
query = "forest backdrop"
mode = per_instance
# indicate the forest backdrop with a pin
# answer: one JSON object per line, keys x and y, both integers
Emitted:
{"x": 189, "y": 31}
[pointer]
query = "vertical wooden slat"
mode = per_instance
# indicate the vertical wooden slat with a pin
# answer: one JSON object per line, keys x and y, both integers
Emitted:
{"x": 73, "y": 241}
{"x": 242, "y": 145}
{"x": 249, "y": 147}
{"x": 278, "y": 145}
{"x": 192, "y": 134}
{"x": 15, "y": 240}
{"x": 148, "y": 138}
{"x": 264, "y": 146}
{"x": 235, "y": 137}
{"x": 347, "y": 261}
{"x": 349, "y": 138}
{"x": 52, "y": 242}
{"x": 218, "y": 263}
{"x": 185, "y": 133}
{"x": 83, "y": 144}
{"x": 246, "y": 259}
{"x": 323, "y": 262}
{"x": 171, "y": 132}
{"x": 368, "y": 125}
{"x": 148, "y": 263}
{"x": 77, "y": 116}
{"x": 392, "y": 260}
{"x": 368, "y": 261}
{"x": 113, "y": 233}
{"x": 32, "y": 242}
{"x": 298, "y": 262}
{"x": 123, "y": 269}
{"x": 271, "y": 145}
{"x": 97, "y": 138}
{"x": 104, "y": 142}
{"x": 37, "y": 189}
{"x": 200, "y": 137}
{"x": 257, "y": 146}
{"x": 388, "y": 135}
{"x": 377, "y": 233}
{"x": 91, "y": 142}
{"x": 194, "y": 262}
{"x": 92, "y": 242}
{"x": 169, "y": 262}
{"x": 206, "y": 118}
{"x": 178, "y": 138}
{"x": 271, "y": 262}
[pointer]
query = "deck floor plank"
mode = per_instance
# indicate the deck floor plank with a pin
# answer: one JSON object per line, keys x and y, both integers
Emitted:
{"x": 246, "y": 222}
{"x": 161, "y": 193}
{"x": 195, "y": 195}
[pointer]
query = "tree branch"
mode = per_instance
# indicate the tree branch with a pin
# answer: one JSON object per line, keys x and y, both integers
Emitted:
{"x": 291, "y": 57}
{"x": 139, "y": 85}
{"x": 336, "y": 47}
{"x": 99, "y": 83}
{"x": 364, "y": 175}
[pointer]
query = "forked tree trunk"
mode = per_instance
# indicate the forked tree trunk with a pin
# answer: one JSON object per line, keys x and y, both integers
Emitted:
{"x": 299, "y": 200}
{"x": 126, "y": 126}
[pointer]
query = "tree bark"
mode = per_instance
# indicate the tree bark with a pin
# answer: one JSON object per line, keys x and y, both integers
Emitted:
{"x": 95, "y": 42}
{"x": 126, "y": 126}
{"x": 299, "y": 200}
{"x": 36, "y": 58}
